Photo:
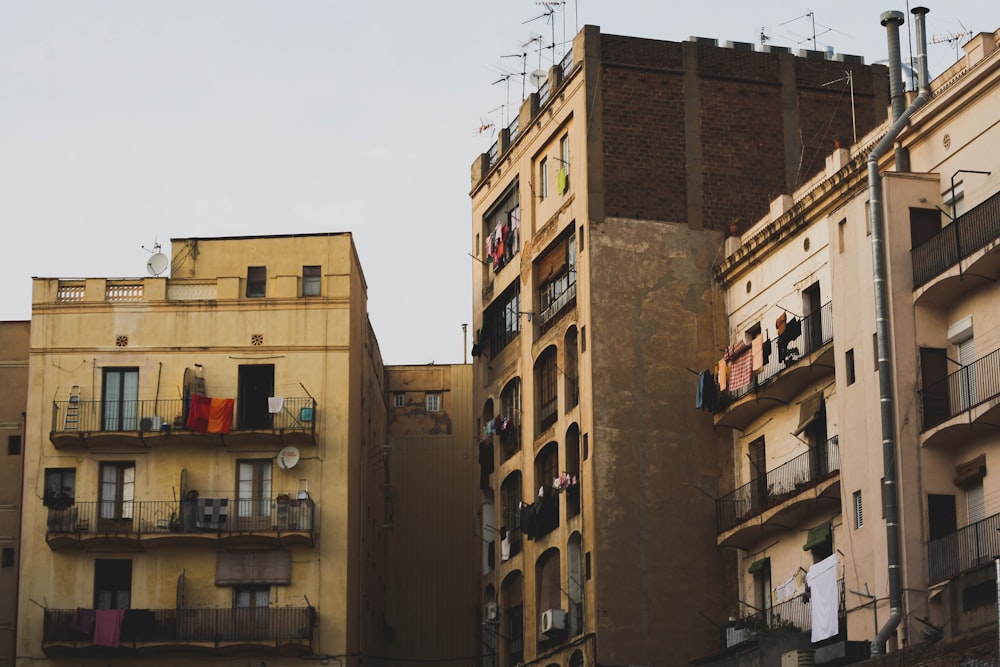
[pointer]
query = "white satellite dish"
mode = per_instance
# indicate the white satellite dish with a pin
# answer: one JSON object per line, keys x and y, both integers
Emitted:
{"x": 157, "y": 264}
{"x": 538, "y": 77}
{"x": 288, "y": 457}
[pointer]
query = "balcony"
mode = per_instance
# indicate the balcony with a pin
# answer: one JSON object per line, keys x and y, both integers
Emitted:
{"x": 793, "y": 615}
{"x": 139, "y": 424}
{"x": 208, "y": 522}
{"x": 965, "y": 248}
{"x": 282, "y": 631}
{"x": 807, "y": 357}
{"x": 966, "y": 549}
{"x": 964, "y": 405}
{"x": 559, "y": 296}
{"x": 781, "y": 497}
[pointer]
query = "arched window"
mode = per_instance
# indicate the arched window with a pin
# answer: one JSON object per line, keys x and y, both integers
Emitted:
{"x": 509, "y": 427}
{"x": 510, "y": 531}
{"x": 571, "y": 369}
{"x": 574, "y": 584}
{"x": 571, "y": 471}
{"x": 547, "y": 497}
{"x": 512, "y": 619}
{"x": 546, "y": 389}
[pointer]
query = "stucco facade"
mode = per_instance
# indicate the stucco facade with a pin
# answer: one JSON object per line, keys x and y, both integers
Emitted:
{"x": 596, "y": 221}
{"x": 13, "y": 402}
{"x": 246, "y": 530}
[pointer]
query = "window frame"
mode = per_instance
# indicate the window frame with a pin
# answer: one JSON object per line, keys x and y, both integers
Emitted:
{"x": 256, "y": 282}
{"x": 432, "y": 402}
{"x": 312, "y": 280}
{"x": 543, "y": 178}
{"x": 14, "y": 445}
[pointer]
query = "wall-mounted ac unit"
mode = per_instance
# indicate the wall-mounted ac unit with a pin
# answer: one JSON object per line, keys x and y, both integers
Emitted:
{"x": 151, "y": 423}
{"x": 798, "y": 659}
{"x": 492, "y": 612}
{"x": 553, "y": 620}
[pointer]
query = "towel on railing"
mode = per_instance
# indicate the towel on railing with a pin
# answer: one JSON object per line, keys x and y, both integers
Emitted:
{"x": 275, "y": 404}
{"x": 210, "y": 415}
{"x": 108, "y": 627}
{"x": 212, "y": 512}
{"x": 824, "y": 598}
{"x": 84, "y": 621}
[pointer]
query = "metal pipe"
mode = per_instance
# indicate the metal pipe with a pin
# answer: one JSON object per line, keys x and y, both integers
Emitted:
{"x": 891, "y": 20}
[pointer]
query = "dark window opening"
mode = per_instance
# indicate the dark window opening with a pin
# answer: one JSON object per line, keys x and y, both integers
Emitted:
{"x": 849, "y": 366}
{"x": 60, "y": 487}
{"x": 502, "y": 320}
{"x": 546, "y": 381}
{"x": 7, "y": 559}
{"x": 256, "y": 282}
{"x": 312, "y": 281}
{"x": 13, "y": 445}
{"x": 256, "y": 384}
{"x": 112, "y": 583}
{"x": 942, "y": 519}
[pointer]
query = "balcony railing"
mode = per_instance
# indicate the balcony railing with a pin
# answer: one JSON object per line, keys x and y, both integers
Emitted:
{"x": 139, "y": 518}
{"x": 268, "y": 624}
{"x": 956, "y": 241}
{"x": 793, "y": 615}
{"x": 558, "y": 302}
{"x": 514, "y": 128}
{"x": 817, "y": 331}
{"x": 566, "y": 64}
{"x": 965, "y": 549}
{"x": 962, "y": 390}
{"x": 543, "y": 93}
{"x": 492, "y": 155}
{"x": 169, "y": 415}
{"x": 778, "y": 485}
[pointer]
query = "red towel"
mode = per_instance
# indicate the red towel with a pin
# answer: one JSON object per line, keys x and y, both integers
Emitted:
{"x": 108, "y": 627}
{"x": 198, "y": 414}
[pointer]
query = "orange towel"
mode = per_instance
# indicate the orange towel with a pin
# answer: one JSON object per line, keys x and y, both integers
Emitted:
{"x": 220, "y": 415}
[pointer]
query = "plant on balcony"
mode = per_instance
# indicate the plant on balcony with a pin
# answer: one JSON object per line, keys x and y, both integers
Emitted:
{"x": 58, "y": 499}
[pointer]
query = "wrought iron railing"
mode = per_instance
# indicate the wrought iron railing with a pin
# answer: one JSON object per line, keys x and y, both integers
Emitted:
{"x": 268, "y": 624}
{"x": 962, "y": 390}
{"x": 956, "y": 241}
{"x": 558, "y": 302}
{"x": 566, "y": 64}
{"x": 513, "y": 128}
{"x": 963, "y": 550}
{"x": 136, "y": 518}
{"x": 543, "y": 93}
{"x": 817, "y": 331}
{"x": 492, "y": 155}
{"x": 793, "y": 615}
{"x": 776, "y": 486}
{"x": 170, "y": 414}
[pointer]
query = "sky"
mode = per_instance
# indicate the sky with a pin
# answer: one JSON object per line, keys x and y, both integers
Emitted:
{"x": 124, "y": 124}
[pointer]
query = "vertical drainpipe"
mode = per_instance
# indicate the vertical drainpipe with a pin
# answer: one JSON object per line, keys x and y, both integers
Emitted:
{"x": 891, "y": 20}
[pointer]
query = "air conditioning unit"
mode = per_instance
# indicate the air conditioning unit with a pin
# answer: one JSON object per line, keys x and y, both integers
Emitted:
{"x": 151, "y": 423}
{"x": 492, "y": 612}
{"x": 798, "y": 659}
{"x": 552, "y": 620}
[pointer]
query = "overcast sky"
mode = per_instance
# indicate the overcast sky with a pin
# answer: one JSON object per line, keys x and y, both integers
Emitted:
{"x": 123, "y": 123}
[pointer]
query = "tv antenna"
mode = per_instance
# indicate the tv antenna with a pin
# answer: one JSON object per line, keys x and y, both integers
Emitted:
{"x": 954, "y": 39}
{"x": 524, "y": 67}
{"x": 535, "y": 38}
{"x": 158, "y": 263}
{"x": 812, "y": 20}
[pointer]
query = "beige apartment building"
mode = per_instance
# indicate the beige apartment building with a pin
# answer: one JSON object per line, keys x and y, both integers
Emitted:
{"x": 13, "y": 403}
{"x": 597, "y": 218}
{"x": 855, "y": 393}
{"x": 204, "y": 461}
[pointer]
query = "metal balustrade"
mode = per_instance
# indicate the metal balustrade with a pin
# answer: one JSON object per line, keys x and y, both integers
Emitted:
{"x": 267, "y": 624}
{"x": 963, "y": 550}
{"x": 137, "y": 518}
{"x": 777, "y": 486}
{"x": 793, "y": 615}
{"x": 964, "y": 389}
{"x": 168, "y": 414}
{"x": 817, "y": 331}
{"x": 956, "y": 241}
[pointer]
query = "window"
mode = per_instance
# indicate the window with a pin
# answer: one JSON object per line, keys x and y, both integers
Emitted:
{"x": 543, "y": 178}
{"x": 859, "y": 514}
{"x": 583, "y": 338}
{"x": 849, "y": 366}
{"x": 256, "y": 384}
{"x": 253, "y": 486}
{"x": 580, "y": 241}
{"x": 121, "y": 400}
{"x": 820, "y": 541}
{"x": 251, "y": 597}
{"x": 7, "y": 560}
{"x": 112, "y": 583}
{"x": 13, "y": 445}
{"x": 60, "y": 487}
{"x": 545, "y": 382}
{"x": 256, "y": 282}
{"x": 563, "y": 175}
{"x": 502, "y": 227}
{"x": 433, "y": 402}
{"x": 312, "y": 281}
{"x": 398, "y": 400}
{"x": 557, "y": 279}
{"x": 117, "y": 493}
{"x": 502, "y": 321}
{"x": 924, "y": 224}
{"x": 761, "y": 571}
{"x": 841, "y": 234}
{"x": 953, "y": 200}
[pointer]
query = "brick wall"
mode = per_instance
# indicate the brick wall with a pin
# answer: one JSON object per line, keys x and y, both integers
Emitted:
{"x": 765, "y": 123}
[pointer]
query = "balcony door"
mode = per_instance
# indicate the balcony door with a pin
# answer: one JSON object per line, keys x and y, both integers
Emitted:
{"x": 253, "y": 505}
{"x": 758, "y": 474}
{"x": 256, "y": 384}
{"x": 250, "y": 611}
{"x": 112, "y": 583}
{"x": 119, "y": 409}
{"x": 117, "y": 494}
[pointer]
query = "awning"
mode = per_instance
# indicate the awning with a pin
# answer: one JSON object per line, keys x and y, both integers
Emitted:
{"x": 817, "y": 536}
{"x": 970, "y": 472}
{"x": 809, "y": 410}
{"x": 759, "y": 565}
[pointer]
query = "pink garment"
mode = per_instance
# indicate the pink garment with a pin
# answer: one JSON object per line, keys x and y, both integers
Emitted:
{"x": 108, "y": 627}
{"x": 740, "y": 372}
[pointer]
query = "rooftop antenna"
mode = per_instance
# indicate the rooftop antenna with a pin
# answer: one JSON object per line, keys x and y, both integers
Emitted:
{"x": 764, "y": 37}
{"x": 524, "y": 68}
{"x": 547, "y": 15}
{"x": 158, "y": 263}
{"x": 505, "y": 78}
{"x": 808, "y": 15}
{"x": 535, "y": 38}
{"x": 954, "y": 39}
{"x": 553, "y": 6}
{"x": 849, "y": 78}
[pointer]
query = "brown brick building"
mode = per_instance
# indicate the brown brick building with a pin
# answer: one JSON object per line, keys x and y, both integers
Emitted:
{"x": 597, "y": 217}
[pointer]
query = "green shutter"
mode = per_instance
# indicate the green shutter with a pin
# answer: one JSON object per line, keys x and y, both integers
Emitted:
{"x": 817, "y": 536}
{"x": 759, "y": 566}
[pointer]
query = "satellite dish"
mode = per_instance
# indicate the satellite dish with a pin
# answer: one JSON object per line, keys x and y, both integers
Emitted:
{"x": 157, "y": 264}
{"x": 538, "y": 77}
{"x": 288, "y": 457}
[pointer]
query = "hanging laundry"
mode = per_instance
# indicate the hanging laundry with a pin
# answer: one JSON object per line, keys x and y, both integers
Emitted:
{"x": 824, "y": 600}
{"x": 705, "y": 396}
{"x": 757, "y": 352}
{"x": 740, "y": 372}
{"x": 108, "y": 627}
